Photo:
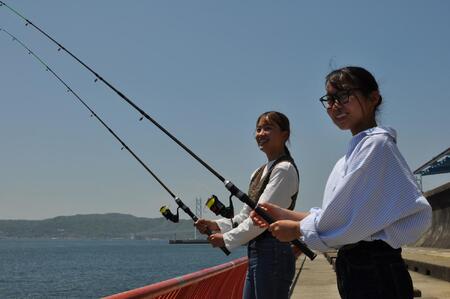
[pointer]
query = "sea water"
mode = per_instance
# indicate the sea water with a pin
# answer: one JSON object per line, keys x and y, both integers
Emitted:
{"x": 96, "y": 268}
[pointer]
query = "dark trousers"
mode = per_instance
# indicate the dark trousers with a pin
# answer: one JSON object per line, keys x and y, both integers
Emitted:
{"x": 271, "y": 267}
{"x": 370, "y": 270}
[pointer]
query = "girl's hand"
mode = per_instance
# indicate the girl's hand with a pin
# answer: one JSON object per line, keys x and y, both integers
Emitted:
{"x": 216, "y": 240}
{"x": 273, "y": 210}
{"x": 277, "y": 213}
{"x": 258, "y": 220}
{"x": 203, "y": 225}
{"x": 285, "y": 230}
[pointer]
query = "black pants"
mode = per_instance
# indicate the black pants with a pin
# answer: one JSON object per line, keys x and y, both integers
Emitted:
{"x": 370, "y": 270}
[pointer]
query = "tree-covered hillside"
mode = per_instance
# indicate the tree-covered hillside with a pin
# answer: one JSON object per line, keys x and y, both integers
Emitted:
{"x": 97, "y": 226}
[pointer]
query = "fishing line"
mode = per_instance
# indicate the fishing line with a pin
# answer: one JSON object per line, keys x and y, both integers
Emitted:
{"x": 164, "y": 210}
{"x": 235, "y": 191}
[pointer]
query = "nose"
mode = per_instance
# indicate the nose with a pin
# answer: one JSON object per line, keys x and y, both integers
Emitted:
{"x": 260, "y": 133}
{"x": 336, "y": 105}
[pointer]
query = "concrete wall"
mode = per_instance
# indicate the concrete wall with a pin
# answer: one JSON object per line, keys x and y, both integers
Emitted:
{"x": 438, "y": 235}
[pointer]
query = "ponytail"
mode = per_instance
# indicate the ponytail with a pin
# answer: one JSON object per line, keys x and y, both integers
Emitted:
{"x": 287, "y": 152}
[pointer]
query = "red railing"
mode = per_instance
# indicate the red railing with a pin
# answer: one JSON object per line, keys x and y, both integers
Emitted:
{"x": 221, "y": 281}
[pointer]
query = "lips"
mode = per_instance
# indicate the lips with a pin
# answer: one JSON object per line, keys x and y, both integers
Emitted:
{"x": 262, "y": 141}
{"x": 340, "y": 116}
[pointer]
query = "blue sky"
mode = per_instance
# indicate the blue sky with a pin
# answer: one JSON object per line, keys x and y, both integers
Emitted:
{"x": 205, "y": 70}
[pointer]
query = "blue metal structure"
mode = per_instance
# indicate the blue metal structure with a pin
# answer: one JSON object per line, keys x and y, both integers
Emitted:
{"x": 437, "y": 165}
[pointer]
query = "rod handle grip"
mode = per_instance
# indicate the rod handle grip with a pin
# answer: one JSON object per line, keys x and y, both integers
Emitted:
{"x": 224, "y": 249}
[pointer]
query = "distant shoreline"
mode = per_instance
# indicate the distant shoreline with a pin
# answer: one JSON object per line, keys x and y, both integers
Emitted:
{"x": 112, "y": 226}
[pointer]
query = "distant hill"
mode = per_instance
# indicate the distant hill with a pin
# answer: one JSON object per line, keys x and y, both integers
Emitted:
{"x": 97, "y": 226}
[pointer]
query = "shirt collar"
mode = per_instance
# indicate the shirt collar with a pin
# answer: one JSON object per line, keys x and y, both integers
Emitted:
{"x": 370, "y": 132}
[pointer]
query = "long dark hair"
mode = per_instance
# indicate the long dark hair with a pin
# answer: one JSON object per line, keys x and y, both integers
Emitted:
{"x": 282, "y": 121}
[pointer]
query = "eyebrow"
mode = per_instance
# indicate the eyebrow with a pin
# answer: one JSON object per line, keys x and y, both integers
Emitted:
{"x": 265, "y": 125}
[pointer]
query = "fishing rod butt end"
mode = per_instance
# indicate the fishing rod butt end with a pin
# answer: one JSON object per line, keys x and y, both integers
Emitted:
{"x": 225, "y": 250}
{"x": 304, "y": 249}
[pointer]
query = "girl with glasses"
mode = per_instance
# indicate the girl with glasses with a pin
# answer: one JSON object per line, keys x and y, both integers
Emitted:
{"x": 371, "y": 206}
{"x": 271, "y": 263}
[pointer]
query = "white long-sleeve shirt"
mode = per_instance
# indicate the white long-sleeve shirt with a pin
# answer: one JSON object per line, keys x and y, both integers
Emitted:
{"x": 371, "y": 194}
{"x": 283, "y": 184}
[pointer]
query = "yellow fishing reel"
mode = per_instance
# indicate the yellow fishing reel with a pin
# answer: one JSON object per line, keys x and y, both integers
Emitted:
{"x": 217, "y": 207}
{"x": 165, "y": 211}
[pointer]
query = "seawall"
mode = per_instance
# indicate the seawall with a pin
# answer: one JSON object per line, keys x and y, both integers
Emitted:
{"x": 438, "y": 236}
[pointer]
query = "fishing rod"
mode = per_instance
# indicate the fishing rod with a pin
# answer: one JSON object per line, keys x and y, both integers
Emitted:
{"x": 164, "y": 210}
{"x": 234, "y": 190}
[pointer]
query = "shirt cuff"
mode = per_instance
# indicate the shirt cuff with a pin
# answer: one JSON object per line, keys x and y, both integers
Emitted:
{"x": 309, "y": 232}
{"x": 225, "y": 225}
{"x": 230, "y": 242}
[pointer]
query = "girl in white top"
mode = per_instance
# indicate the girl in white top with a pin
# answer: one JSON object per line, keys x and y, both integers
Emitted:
{"x": 371, "y": 205}
{"x": 271, "y": 262}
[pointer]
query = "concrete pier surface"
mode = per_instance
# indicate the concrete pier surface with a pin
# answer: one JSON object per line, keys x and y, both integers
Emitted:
{"x": 434, "y": 262}
{"x": 317, "y": 279}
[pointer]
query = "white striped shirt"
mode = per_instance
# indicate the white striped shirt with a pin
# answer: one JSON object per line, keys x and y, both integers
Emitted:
{"x": 371, "y": 194}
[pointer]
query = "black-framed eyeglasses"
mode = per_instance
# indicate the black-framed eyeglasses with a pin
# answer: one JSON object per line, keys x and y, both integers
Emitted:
{"x": 342, "y": 97}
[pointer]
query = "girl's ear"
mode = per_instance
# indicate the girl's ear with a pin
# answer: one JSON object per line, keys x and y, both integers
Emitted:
{"x": 374, "y": 97}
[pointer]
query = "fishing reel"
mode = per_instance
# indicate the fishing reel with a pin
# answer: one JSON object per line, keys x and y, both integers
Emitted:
{"x": 165, "y": 211}
{"x": 218, "y": 208}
